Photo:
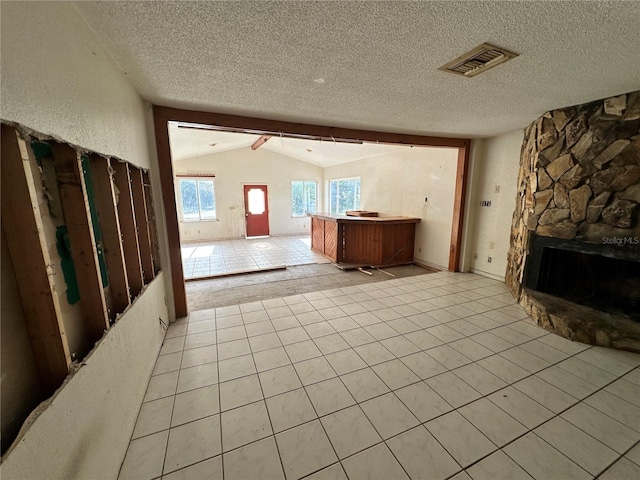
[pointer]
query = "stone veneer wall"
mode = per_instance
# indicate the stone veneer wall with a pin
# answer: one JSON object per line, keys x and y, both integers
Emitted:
{"x": 579, "y": 179}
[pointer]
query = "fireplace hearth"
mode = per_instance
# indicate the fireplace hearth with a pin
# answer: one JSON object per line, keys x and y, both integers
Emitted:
{"x": 604, "y": 277}
{"x": 574, "y": 257}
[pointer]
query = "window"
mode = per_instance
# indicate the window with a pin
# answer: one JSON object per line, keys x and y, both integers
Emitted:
{"x": 304, "y": 196}
{"x": 344, "y": 194}
{"x": 198, "y": 199}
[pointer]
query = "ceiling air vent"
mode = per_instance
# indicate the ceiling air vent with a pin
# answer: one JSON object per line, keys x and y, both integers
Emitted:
{"x": 478, "y": 60}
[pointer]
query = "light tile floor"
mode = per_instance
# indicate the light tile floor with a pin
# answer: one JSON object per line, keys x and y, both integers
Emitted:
{"x": 428, "y": 377}
{"x": 204, "y": 259}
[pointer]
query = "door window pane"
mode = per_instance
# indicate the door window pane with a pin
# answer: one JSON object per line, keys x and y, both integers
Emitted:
{"x": 256, "y": 201}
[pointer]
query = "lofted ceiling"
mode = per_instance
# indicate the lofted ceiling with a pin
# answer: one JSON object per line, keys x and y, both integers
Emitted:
{"x": 191, "y": 141}
{"x": 372, "y": 65}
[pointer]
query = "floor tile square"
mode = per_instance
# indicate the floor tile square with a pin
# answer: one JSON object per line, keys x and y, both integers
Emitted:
{"x": 331, "y": 344}
{"x": 422, "y": 456}
{"x": 623, "y": 469}
{"x": 470, "y": 349}
{"x": 503, "y": 368}
{"x": 423, "y": 339}
{"x": 199, "y": 356}
{"x": 380, "y": 331}
{"x": 524, "y": 359}
{"x": 154, "y": 416}
{"x": 453, "y": 389}
{"x": 240, "y": 391}
{"x": 305, "y": 449}
{"x": 244, "y": 425}
{"x": 602, "y": 427}
{"x": 423, "y": 365}
{"x": 374, "y": 353}
{"x": 329, "y": 396}
{"x": 264, "y": 342}
{"x": 626, "y": 390}
{"x": 233, "y": 349}
{"x": 375, "y": 463}
{"x": 542, "y": 461}
{"x": 350, "y": 431}
{"x": 302, "y": 351}
{"x": 290, "y": 409}
{"x": 172, "y": 345}
{"x": 343, "y": 324}
{"x": 403, "y": 325}
{"x": 257, "y": 316}
{"x": 583, "y": 449}
{"x": 389, "y": 415}
{"x": 282, "y": 323}
{"x": 279, "y": 380}
{"x": 314, "y": 370}
{"x": 492, "y": 421}
{"x": 521, "y": 407}
{"x": 272, "y": 358}
{"x": 364, "y": 384}
{"x": 277, "y": 312}
{"x": 236, "y": 367}
{"x": 497, "y": 465}
{"x": 448, "y": 356}
{"x": 334, "y": 472}
{"x": 293, "y": 335}
{"x": 144, "y": 457}
{"x": 259, "y": 328}
{"x": 467, "y": 445}
{"x": 320, "y": 329}
{"x": 357, "y": 337}
{"x": 545, "y": 394}
{"x": 168, "y": 363}
{"x": 195, "y": 404}
{"x": 345, "y": 361}
{"x": 258, "y": 460}
{"x": 210, "y": 469}
{"x": 480, "y": 379}
{"x": 198, "y": 376}
{"x": 395, "y": 374}
{"x": 192, "y": 442}
{"x": 161, "y": 386}
{"x": 200, "y": 340}
{"x": 423, "y": 401}
{"x": 200, "y": 327}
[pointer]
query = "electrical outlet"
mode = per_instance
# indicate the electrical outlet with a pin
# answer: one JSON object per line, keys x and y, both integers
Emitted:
{"x": 497, "y": 189}
{"x": 485, "y": 203}
{"x": 489, "y": 260}
{"x": 491, "y": 245}
{"x": 475, "y": 256}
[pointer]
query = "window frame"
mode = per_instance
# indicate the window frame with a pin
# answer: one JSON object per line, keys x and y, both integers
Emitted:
{"x": 197, "y": 178}
{"x": 304, "y": 197}
{"x": 329, "y": 199}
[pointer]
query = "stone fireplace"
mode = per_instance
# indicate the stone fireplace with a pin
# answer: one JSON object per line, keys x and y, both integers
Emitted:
{"x": 574, "y": 258}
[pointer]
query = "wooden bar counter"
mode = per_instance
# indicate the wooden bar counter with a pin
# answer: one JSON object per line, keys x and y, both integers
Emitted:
{"x": 371, "y": 241}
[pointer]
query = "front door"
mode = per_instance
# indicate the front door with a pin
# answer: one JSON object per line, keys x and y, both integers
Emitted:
{"x": 256, "y": 210}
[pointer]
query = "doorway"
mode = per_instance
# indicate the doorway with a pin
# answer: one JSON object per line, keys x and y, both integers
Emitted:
{"x": 256, "y": 210}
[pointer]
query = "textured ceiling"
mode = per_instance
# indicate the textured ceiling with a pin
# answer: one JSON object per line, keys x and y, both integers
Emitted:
{"x": 379, "y": 60}
{"x": 197, "y": 142}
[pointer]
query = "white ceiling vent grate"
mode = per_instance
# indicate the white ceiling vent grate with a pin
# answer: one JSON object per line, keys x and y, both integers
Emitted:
{"x": 478, "y": 60}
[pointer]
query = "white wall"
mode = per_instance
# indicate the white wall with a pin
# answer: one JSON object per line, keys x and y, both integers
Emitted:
{"x": 234, "y": 168}
{"x": 397, "y": 184}
{"x": 495, "y": 163}
{"x": 57, "y": 79}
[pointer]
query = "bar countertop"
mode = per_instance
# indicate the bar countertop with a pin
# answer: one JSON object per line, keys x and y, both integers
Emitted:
{"x": 346, "y": 218}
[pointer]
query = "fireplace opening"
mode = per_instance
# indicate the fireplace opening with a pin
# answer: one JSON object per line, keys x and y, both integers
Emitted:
{"x": 596, "y": 276}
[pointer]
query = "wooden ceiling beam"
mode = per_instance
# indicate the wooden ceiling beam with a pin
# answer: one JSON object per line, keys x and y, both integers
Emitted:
{"x": 261, "y": 141}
